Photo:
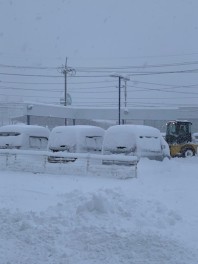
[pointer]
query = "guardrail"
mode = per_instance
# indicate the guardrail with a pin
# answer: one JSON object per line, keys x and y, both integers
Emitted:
{"x": 118, "y": 166}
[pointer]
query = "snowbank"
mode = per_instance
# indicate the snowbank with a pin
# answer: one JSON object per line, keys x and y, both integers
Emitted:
{"x": 73, "y": 219}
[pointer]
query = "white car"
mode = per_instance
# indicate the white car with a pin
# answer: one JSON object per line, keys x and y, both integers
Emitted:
{"x": 24, "y": 137}
{"x": 135, "y": 140}
{"x": 75, "y": 139}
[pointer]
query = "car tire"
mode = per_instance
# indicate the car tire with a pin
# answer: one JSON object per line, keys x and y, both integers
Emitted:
{"x": 188, "y": 153}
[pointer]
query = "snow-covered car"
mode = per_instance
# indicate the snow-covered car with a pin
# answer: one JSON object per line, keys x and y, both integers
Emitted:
{"x": 165, "y": 148}
{"x": 24, "y": 137}
{"x": 75, "y": 139}
{"x": 135, "y": 140}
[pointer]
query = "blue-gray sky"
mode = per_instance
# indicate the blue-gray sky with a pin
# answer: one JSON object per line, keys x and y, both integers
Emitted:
{"x": 105, "y": 33}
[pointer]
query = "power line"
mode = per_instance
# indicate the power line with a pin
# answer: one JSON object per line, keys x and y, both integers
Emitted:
{"x": 175, "y": 64}
{"x": 27, "y": 89}
{"x": 30, "y": 75}
{"x": 159, "y": 90}
{"x": 168, "y": 85}
{"x": 87, "y": 68}
{"x": 57, "y": 83}
{"x": 164, "y": 98}
{"x": 27, "y": 67}
{"x": 32, "y": 83}
{"x": 99, "y": 76}
{"x": 163, "y": 72}
{"x": 32, "y": 96}
{"x": 74, "y": 90}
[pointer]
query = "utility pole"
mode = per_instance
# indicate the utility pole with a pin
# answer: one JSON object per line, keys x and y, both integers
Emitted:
{"x": 125, "y": 93}
{"x": 65, "y": 74}
{"x": 65, "y": 70}
{"x": 120, "y": 77}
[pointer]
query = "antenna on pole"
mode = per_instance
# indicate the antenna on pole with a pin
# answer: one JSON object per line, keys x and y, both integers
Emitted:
{"x": 65, "y": 70}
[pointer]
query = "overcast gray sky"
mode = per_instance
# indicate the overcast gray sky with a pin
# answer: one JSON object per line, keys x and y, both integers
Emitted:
{"x": 105, "y": 33}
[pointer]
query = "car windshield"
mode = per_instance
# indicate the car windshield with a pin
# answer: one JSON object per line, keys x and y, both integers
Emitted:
{"x": 8, "y": 134}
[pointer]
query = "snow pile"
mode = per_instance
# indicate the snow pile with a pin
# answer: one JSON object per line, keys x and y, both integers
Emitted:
{"x": 77, "y": 163}
{"x": 60, "y": 219}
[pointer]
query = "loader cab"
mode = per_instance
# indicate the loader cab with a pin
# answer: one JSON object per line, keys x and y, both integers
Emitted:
{"x": 178, "y": 132}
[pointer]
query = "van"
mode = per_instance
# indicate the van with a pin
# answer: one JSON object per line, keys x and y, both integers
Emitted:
{"x": 135, "y": 140}
{"x": 24, "y": 137}
{"x": 75, "y": 139}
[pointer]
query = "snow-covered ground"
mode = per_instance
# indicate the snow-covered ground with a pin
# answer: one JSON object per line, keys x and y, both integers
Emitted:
{"x": 67, "y": 219}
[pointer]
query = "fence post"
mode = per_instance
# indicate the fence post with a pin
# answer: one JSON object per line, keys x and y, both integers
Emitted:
{"x": 136, "y": 170}
{"x": 88, "y": 163}
{"x": 44, "y": 164}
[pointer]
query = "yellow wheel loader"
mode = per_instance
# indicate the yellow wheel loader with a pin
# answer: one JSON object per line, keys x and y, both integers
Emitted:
{"x": 179, "y": 138}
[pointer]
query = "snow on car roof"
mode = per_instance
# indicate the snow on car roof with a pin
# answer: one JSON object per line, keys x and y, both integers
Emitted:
{"x": 79, "y": 129}
{"x": 136, "y": 130}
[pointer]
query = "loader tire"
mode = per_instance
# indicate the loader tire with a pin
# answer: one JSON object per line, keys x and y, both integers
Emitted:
{"x": 188, "y": 152}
